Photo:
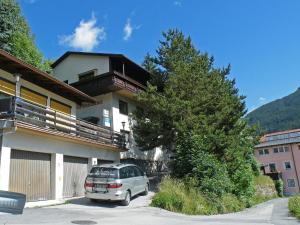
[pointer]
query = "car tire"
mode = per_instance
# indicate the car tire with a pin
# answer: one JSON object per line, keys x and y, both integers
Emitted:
{"x": 127, "y": 199}
{"x": 146, "y": 190}
{"x": 93, "y": 200}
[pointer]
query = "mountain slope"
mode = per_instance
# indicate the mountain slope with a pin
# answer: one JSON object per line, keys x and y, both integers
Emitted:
{"x": 281, "y": 114}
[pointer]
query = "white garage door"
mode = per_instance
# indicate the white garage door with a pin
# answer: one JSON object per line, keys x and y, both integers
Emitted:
{"x": 75, "y": 172}
{"x": 30, "y": 174}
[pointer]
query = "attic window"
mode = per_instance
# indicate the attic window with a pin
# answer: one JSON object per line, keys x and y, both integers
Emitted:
{"x": 87, "y": 75}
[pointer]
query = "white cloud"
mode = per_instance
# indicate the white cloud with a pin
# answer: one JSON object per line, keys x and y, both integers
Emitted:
{"x": 177, "y": 3}
{"x": 262, "y": 99}
{"x": 128, "y": 30}
{"x": 86, "y": 35}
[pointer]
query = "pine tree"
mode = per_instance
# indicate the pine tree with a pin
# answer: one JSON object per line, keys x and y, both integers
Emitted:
{"x": 195, "y": 111}
{"x": 16, "y": 37}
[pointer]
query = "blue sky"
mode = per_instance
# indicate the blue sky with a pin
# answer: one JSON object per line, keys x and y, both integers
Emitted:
{"x": 259, "y": 38}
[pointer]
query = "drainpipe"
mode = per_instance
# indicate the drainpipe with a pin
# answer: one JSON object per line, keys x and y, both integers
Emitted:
{"x": 123, "y": 69}
{"x": 295, "y": 166}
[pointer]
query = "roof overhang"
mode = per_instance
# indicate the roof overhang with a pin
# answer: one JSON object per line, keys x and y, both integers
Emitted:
{"x": 28, "y": 72}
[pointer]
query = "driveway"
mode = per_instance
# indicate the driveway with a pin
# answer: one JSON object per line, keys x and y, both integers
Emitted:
{"x": 81, "y": 211}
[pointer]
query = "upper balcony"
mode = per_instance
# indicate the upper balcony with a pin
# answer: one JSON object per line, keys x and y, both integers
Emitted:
{"x": 18, "y": 113}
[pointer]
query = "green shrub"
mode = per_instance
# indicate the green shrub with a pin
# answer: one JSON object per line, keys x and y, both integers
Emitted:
{"x": 294, "y": 206}
{"x": 185, "y": 196}
{"x": 230, "y": 203}
{"x": 279, "y": 187}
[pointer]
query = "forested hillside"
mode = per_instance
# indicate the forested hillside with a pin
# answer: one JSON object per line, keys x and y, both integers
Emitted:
{"x": 281, "y": 114}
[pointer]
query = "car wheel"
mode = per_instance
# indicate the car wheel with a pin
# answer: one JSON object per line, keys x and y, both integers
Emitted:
{"x": 93, "y": 200}
{"x": 146, "y": 190}
{"x": 127, "y": 199}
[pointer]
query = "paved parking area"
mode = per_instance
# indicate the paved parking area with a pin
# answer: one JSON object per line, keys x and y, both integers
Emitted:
{"x": 82, "y": 211}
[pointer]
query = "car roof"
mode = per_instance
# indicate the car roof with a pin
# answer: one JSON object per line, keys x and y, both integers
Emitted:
{"x": 114, "y": 165}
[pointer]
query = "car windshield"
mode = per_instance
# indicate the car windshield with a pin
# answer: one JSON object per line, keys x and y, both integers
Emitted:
{"x": 104, "y": 172}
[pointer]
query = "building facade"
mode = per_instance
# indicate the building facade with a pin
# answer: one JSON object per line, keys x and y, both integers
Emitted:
{"x": 45, "y": 150}
{"x": 113, "y": 80}
{"x": 279, "y": 156}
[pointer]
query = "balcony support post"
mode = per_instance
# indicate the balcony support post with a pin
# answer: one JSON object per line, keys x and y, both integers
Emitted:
{"x": 18, "y": 84}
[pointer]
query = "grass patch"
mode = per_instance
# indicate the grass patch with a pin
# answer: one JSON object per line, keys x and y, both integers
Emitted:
{"x": 294, "y": 206}
{"x": 179, "y": 196}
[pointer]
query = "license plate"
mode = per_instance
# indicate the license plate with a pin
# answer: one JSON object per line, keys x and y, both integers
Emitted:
{"x": 100, "y": 185}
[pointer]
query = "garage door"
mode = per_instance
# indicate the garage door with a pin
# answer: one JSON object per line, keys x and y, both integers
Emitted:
{"x": 75, "y": 172}
{"x": 30, "y": 174}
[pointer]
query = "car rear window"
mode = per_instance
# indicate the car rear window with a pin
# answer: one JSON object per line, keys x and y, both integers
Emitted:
{"x": 104, "y": 172}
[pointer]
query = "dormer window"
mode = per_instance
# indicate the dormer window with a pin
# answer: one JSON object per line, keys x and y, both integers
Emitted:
{"x": 87, "y": 75}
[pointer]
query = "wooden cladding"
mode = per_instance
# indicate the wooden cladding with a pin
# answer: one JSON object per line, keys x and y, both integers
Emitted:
{"x": 7, "y": 87}
{"x": 61, "y": 107}
{"x": 33, "y": 96}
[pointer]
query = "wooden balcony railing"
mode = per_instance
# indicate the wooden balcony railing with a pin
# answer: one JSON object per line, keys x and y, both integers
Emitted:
{"x": 20, "y": 110}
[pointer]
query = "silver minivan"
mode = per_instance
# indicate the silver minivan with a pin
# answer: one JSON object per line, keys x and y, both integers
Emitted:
{"x": 116, "y": 182}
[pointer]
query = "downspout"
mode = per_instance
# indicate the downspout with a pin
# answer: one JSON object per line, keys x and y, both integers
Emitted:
{"x": 295, "y": 166}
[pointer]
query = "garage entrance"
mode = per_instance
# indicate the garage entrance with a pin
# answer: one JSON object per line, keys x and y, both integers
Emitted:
{"x": 30, "y": 174}
{"x": 75, "y": 172}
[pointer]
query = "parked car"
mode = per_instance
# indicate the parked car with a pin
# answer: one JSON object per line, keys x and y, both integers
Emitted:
{"x": 116, "y": 182}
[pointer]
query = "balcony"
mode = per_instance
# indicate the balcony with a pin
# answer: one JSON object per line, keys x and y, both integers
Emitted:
{"x": 16, "y": 112}
{"x": 109, "y": 82}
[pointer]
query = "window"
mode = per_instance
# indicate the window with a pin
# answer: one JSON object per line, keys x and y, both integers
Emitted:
{"x": 298, "y": 147}
{"x": 104, "y": 172}
{"x": 275, "y": 150}
{"x": 137, "y": 172}
{"x": 287, "y": 165}
{"x": 263, "y": 152}
{"x": 32, "y": 96}
{"x": 291, "y": 183}
{"x": 7, "y": 87}
{"x": 272, "y": 167}
{"x": 286, "y": 148}
{"x": 123, "y": 107}
{"x": 281, "y": 149}
{"x": 87, "y": 75}
{"x": 61, "y": 107}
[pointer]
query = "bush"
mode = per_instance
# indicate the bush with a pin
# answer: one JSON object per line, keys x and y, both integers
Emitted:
{"x": 279, "y": 187}
{"x": 294, "y": 206}
{"x": 230, "y": 203}
{"x": 186, "y": 197}
{"x": 177, "y": 196}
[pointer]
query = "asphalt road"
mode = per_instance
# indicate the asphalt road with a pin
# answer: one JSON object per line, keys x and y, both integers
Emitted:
{"x": 81, "y": 211}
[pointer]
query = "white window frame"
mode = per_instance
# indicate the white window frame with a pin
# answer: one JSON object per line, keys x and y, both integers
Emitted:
{"x": 287, "y": 183}
{"x": 285, "y": 166}
{"x": 275, "y": 167}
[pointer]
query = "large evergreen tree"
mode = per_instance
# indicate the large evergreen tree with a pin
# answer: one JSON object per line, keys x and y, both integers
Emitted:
{"x": 195, "y": 111}
{"x": 16, "y": 37}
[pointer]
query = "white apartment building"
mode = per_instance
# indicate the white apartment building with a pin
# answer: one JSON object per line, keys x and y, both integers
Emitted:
{"x": 113, "y": 80}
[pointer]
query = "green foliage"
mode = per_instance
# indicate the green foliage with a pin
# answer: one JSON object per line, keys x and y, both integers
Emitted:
{"x": 195, "y": 111}
{"x": 16, "y": 38}
{"x": 281, "y": 114}
{"x": 279, "y": 187}
{"x": 184, "y": 196}
{"x": 294, "y": 206}
{"x": 177, "y": 196}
